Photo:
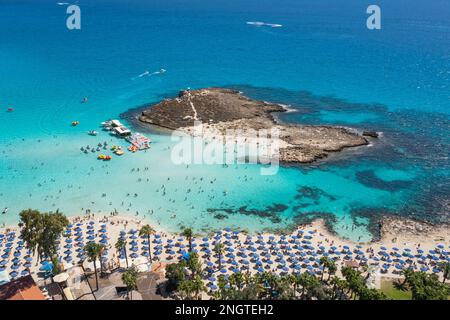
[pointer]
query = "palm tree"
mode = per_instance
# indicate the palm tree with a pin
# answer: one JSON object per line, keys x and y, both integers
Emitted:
{"x": 445, "y": 267}
{"x": 218, "y": 249}
{"x": 425, "y": 286}
{"x": 332, "y": 268}
{"x": 187, "y": 289}
{"x": 188, "y": 234}
{"x": 147, "y": 230}
{"x": 121, "y": 246}
{"x": 324, "y": 261}
{"x": 198, "y": 286}
{"x": 339, "y": 286}
{"x": 94, "y": 251}
{"x": 407, "y": 273}
{"x": 237, "y": 279}
{"x": 129, "y": 278}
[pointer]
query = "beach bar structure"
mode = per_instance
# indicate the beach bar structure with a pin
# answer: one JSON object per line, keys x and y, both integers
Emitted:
{"x": 117, "y": 127}
{"x": 139, "y": 141}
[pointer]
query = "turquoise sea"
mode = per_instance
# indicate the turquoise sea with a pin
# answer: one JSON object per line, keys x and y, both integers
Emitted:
{"x": 323, "y": 62}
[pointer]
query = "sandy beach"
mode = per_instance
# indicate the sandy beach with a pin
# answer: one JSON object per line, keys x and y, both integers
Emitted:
{"x": 280, "y": 253}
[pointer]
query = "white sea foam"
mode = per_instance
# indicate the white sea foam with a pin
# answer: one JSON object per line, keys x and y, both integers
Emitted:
{"x": 288, "y": 108}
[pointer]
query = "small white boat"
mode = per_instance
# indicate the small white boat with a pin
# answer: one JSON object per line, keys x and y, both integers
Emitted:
{"x": 92, "y": 133}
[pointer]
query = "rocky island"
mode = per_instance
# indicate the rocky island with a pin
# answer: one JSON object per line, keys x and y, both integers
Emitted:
{"x": 223, "y": 109}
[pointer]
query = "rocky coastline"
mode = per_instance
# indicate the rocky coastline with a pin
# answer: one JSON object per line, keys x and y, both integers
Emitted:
{"x": 220, "y": 109}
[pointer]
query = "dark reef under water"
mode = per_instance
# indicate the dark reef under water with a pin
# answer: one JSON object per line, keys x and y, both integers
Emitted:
{"x": 409, "y": 139}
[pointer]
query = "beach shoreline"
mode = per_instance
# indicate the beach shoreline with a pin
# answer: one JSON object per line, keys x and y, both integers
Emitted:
{"x": 393, "y": 230}
{"x": 301, "y": 248}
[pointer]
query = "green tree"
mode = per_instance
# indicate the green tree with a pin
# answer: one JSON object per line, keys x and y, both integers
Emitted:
{"x": 175, "y": 275}
{"x": 355, "y": 281}
{"x": 218, "y": 249}
{"x": 147, "y": 231}
{"x": 94, "y": 251}
{"x": 338, "y": 288}
{"x": 188, "y": 234}
{"x": 237, "y": 280}
{"x": 30, "y": 224}
{"x": 56, "y": 265}
{"x": 41, "y": 230}
{"x": 198, "y": 286}
{"x": 445, "y": 267}
{"x": 186, "y": 289}
{"x": 121, "y": 247}
{"x": 372, "y": 294}
{"x": 194, "y": 264}
{"x": 425, "y": 286}
{"x": 307, "y": 282}
{"x": 129, "y": 278}
{"x": 328, "y": 265}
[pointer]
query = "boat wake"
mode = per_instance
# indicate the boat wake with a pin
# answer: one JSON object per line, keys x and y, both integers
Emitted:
{"x": 261, "y": 24}
{"x": 148, "y": 74}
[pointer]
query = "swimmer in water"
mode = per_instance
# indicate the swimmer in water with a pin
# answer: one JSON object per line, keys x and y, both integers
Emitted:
{"x": 85, "y": 99}
{"x": 5, "y": 211}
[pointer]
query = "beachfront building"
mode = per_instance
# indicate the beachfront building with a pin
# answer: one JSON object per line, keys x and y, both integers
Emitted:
{"x": 117, "y": 127}
{"x": 21, "y": 289}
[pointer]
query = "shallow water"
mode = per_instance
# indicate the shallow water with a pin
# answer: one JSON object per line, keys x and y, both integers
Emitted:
{"x": 322, "y": 62}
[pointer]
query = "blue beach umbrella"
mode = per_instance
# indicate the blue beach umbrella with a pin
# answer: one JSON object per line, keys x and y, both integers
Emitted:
{"x": 15, "y": 266}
